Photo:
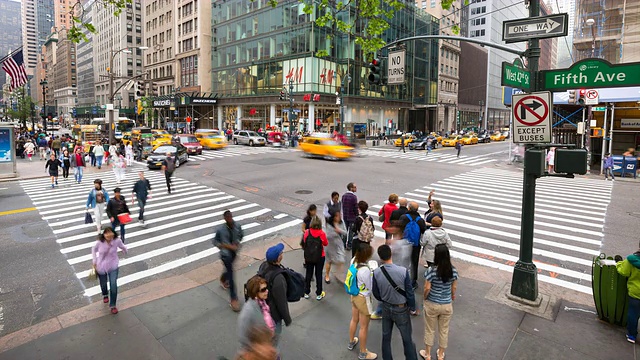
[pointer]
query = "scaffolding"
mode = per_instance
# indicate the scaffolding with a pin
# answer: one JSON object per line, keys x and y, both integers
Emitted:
{"x": 614, "y": 35}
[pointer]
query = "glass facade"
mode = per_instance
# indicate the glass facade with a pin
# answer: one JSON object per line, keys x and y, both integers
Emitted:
{"x": 257, "y": 49}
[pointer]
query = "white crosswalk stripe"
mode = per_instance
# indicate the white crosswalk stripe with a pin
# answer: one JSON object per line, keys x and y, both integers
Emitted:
{"x": 238, "y": 150}
{"x": 434, "y": 156}
{"x": 178, "y": 227}
{"x": 482, "y": 211}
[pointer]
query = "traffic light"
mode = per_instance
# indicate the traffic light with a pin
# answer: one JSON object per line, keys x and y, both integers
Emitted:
{"x": 572, "y": 97}
{"x": 283, "y": 94}
{"x": 140, "y": 89}
{"x": 581, "y": 97}
{"x": 374, "y": 72}
{"x": 154, "y": 89}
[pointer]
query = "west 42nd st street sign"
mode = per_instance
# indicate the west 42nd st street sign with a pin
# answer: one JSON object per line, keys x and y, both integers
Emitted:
{"x": 536, "y": 27}
{"x": 592, "y": 74}
{"x": 515, "y": 76}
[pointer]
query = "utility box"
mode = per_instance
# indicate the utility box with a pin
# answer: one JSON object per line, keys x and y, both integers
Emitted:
{"x": 534, "y": 162}
{"x": 571, "y": 161}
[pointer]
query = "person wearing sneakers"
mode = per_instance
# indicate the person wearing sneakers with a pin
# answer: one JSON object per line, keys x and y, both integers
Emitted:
{"x": 141, "y": 191}
{"x": 228, "y": 238}
{"x": 361, "y": 306}
{"x": 630, "y": 268}
{"x": 392, "y": 286}
{"x": 98, "y": 198}
{"x": 313, "y": 243}
{"x": 105, "y": 261}
{"x": 440, "y": 284}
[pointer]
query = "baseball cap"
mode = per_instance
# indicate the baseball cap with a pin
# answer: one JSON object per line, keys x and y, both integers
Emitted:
{"x": 274, "y": 252}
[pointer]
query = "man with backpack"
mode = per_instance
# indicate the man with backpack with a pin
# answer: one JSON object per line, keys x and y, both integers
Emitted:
{"x": 363, "y": 228}
{"x": 168, "y": 167}
{"x": 413, "y": 226}
{"x": 278, "y": 281}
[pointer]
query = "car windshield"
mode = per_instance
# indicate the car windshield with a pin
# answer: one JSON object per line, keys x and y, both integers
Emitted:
{"x": 329, "y": 142}
{"x": 252, "y": 133}
{"x": 213, "y": 136}
{"x": 163, "y": 150}
{"x": 467, "y": 136}
{"x": 188, "y": 139}
{"x": 452, "y": 137}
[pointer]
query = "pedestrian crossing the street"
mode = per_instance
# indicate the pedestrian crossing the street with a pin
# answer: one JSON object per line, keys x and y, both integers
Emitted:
{"x": 482, "y": 210}
{"x": 238, "y": 150}
{"x": 434, "y": 156}
{"x": 178, "y": 227}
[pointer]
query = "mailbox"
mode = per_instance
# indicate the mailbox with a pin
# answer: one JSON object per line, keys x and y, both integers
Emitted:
{"x": 534, "y": 162}
{"x": 571, "y": 161}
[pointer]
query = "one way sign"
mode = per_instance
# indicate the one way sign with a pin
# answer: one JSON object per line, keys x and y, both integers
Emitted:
{"x": 536, "y": 27}
{"x": 532, "y": 115}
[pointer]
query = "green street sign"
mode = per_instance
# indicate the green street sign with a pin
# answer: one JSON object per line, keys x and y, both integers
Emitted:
{"x": 591, "y": 74}
{"x": 598, "y": 108}
{"x": 515, "y": 76}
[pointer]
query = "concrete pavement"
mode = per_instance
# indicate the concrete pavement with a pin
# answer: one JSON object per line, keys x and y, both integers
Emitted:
{"x": 188, "y": 317}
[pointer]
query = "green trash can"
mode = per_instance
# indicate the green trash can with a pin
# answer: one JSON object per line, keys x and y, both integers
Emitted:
{"x": 609, "y": 291}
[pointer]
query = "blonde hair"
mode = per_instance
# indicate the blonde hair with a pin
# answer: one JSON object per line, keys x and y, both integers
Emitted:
{"x": 437, "y": 207}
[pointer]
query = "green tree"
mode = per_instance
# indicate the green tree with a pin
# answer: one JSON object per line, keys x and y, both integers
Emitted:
{"x": 76, "y": 32}
{"x": 25, "y": 106}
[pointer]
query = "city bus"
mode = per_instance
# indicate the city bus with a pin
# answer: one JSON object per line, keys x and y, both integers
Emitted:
{"x": 122, "y": 125}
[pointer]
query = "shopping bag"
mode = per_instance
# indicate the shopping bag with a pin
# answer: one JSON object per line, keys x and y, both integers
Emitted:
{"x": 87, "y": 218}
{"x": 93, "y": 274}
{"x": 124, "y": 218}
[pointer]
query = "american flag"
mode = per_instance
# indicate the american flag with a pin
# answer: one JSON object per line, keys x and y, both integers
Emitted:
{"x": 14, "y": 66}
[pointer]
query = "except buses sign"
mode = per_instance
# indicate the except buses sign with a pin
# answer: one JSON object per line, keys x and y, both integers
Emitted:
{"x": 592, "y": 73}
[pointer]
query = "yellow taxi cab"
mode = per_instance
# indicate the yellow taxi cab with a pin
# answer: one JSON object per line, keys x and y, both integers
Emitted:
{"x": 497, "y": 136}
{"x": 407, "y": 139}
{"x": 211, "y": 138}
{"x": 451, "y": 140}
{"x": 324, "y": 146}
{"x": 160, "y": 137}
{"x": 469, "y": 139}
{"x": 126, "y": 138}
{"x": 437, "y": 136}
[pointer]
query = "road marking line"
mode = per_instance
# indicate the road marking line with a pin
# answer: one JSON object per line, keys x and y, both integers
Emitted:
{"x": 280, "y": 216}
{"x": 17, "y": 211}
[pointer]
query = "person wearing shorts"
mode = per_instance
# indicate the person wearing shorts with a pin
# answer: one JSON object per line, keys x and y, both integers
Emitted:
{"x": 361, "y": 304}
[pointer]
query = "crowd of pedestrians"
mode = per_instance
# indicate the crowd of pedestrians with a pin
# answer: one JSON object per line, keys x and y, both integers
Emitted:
{"x": 326, "y": 239}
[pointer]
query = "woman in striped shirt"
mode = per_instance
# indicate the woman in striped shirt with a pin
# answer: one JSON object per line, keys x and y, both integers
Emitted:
{"x": 439, "y": 292}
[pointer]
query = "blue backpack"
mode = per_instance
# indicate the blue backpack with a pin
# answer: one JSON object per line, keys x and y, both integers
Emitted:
{"x": 351, "y": 281}
{"x": 412, "y": 231}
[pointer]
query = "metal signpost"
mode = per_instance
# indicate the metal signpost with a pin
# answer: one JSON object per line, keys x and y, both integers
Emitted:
{"x": 395, "y": 72}
{"x": 539, "y": 27}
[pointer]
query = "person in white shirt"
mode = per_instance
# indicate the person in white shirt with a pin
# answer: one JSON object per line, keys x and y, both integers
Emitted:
{"x": 361, "y": 304}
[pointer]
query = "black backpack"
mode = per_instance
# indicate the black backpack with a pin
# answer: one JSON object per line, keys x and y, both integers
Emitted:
{"x": 312, "y": 249}
{"x": 295, "y": 283}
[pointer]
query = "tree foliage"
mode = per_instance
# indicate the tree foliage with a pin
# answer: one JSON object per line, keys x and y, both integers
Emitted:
{"x": 25, "y": 106}
{"x": 77, "y": 30}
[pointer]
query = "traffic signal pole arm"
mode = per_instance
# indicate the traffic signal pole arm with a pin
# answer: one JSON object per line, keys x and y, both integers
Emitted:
{"x": 125, "y": 83}
{"x": 458, "y": 38}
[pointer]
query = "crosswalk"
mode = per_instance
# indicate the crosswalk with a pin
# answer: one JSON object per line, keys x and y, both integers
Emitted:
{"x": 177, "y": 231}
{"x": 482, "y": 210}
{"x": 238, "y": 150}
{"x": 434, "y": 156}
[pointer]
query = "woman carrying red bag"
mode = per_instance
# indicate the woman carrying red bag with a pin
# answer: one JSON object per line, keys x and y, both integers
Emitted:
{"x": 118, "y": 212}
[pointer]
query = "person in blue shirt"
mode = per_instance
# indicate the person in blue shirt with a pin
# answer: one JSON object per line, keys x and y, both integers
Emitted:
{"x": 440, "y": 285}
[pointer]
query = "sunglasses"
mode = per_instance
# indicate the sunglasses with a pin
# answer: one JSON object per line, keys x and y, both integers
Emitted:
{"x": 263, "y": 290}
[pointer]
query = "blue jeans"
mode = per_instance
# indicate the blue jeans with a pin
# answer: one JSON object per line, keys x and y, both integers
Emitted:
{"x": 227, "y": 276}
{"x": 632, "y": 316}
{"x": 93, "y": 159}
{"x": 77, "y": 173}
{"x": 607, "y": 172}
{"x": 115, "y": 223}
{"x": 99, "y": 161}
{"x": 113, "y": 286}
{"x": 141, "y": 203}
{"x": 400, "y": 316}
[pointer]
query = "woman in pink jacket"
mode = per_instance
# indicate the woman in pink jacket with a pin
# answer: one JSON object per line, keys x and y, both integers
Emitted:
{"x": 105, "y": 261}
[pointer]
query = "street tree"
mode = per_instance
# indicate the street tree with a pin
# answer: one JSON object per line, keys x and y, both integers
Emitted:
{"x": 24, "y": 108}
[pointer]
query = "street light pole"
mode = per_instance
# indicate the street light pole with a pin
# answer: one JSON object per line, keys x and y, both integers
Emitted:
{"x": 292, "y": 116}
{"x": 43, "y": 82}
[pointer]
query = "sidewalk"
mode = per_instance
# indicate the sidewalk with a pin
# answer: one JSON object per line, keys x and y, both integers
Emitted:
{"x": 188, "y": 317}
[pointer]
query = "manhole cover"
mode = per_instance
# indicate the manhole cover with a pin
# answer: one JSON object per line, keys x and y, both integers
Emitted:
{"x": 304, "y": 192}
{"x": 390, "y": 162}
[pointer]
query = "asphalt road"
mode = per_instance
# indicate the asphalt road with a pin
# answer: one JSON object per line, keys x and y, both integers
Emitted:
{"x": 46, "y": 253}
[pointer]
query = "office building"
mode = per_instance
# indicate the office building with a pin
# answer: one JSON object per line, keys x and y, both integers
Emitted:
{"x": 86, "y": 81}
{"x": 63, "y": 13}
{"x": 64, "y": 84}
{"x": 11, "y": 30}
{"x": 37, "y": 21}
{"x": 483, "y": 20}
{"x": 565, "y": 45}
{"x": 548, "y": 47}
{"x": 259, "y": 50}
{"x": 449, "y": 63}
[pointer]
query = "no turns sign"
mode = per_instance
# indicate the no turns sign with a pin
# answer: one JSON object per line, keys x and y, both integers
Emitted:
{"x": 532, "y": 114}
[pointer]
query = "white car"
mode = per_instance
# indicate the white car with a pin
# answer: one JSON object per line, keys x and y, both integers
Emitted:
{"x": 247, "y": 137}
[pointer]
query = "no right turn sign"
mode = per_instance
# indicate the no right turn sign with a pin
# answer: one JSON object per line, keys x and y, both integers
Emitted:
{"x": 532, "y": 114}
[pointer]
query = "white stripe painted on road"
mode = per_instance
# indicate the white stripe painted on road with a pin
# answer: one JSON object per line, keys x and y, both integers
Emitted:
{"x": 280, "y": 216}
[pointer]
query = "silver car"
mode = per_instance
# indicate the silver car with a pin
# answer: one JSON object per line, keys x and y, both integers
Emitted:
{"x": 247, "y": 137}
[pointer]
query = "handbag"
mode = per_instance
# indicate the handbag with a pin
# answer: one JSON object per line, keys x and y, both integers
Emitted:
{"x": 395, "y": 286}
{"x": 124, "y": 218}
{"x": 87, "y": 218}
{"x": 93, "y": 274}
{"x": 381, "y": 216}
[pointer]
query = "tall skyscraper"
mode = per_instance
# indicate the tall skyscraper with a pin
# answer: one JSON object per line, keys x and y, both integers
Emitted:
{"x": 10, "y": 28}
{"x": 86, "y": 80}
{"x": 565, "y": 45}
{"x": 63, "y": 13}
{"x": 37, "y": 20}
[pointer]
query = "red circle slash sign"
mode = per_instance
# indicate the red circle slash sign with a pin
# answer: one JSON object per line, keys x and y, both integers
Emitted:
{"x": 526, "y": 108}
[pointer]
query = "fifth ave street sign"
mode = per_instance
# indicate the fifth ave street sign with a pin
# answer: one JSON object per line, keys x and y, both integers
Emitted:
{"x": 536, "y": 27}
